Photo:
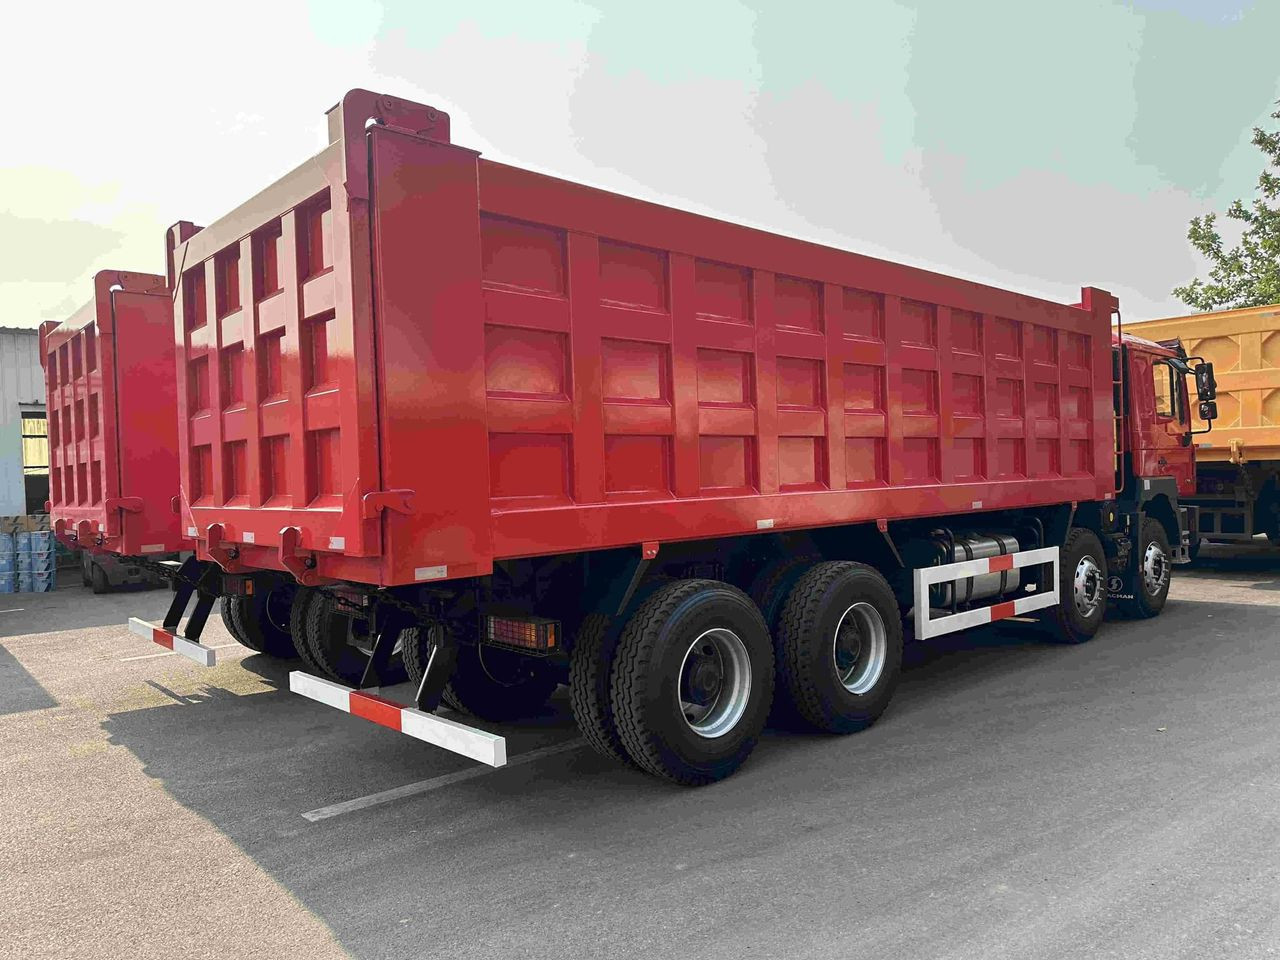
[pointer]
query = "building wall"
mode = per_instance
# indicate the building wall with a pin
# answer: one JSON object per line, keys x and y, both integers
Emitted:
{"x": 21, "y": 382}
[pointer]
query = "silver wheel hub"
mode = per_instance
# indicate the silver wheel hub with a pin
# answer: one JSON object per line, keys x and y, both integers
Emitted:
{"x": 1087, "y": 586}
{"x": 1155, "y": 569}
{"x": 715, "y": 683}
{"x": 860, "y": 648}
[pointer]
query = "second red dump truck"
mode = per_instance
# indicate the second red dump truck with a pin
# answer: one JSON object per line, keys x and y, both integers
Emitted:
{"x": 110, "y": 394}
{"x": 500, "y": 432}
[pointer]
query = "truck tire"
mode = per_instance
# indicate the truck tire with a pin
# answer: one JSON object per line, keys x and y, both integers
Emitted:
{"x": 339, "y": 646}
{"x": 773, "y": 583}
{"x": 416, "y": 643}
{"x": 1148, "y": 583}
{"x": 298, "y": 629}
{"x": 1082, "y": 588}
{"x": 590, "y": 668}
{"x": 705, "y": 642}
{"x": 229, "y": 609}
{"x": 839, "y": 645}
{"x": 98, "y": 579}
{"x": 499, "y": 685}
{"x": 263, "y": 621}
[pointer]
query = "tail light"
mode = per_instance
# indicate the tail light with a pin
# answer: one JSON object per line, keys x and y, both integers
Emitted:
{"x": 525, "y": 633}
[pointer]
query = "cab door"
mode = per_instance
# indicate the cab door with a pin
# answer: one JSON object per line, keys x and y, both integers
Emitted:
{"x": 1160, "y": 420}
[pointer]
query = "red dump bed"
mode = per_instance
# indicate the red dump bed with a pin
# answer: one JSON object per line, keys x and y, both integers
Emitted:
{"x": 113, "y": 435}
{"x": 401, "y": 362}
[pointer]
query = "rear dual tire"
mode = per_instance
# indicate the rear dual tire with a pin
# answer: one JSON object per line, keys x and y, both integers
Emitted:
{"x": 692, "y": 681}
{"x": 262, "y": 621}
{"x": 590, "y": 665}
{"x": 339, "y": 643}
{"x": 487, "y": 682}
{"x": 839, "y": 646}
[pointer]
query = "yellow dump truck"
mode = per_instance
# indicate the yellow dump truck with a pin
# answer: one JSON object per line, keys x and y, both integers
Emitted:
{"x": 1238, "y": 461}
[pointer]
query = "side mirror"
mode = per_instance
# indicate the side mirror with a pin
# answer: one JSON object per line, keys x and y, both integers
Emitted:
{"x": 1208, "y": 410}
{"x": 1206, "y": 385}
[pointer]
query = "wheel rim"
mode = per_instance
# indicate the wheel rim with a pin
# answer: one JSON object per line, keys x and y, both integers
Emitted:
{"x": 279, "y": 608}
{"x": 358, "y": 637}
{"x": 859, "y": 648}
{"x": 1155, "y": 568}
{"x": 1088, "y": 586}
{"x": 715, "y": 683}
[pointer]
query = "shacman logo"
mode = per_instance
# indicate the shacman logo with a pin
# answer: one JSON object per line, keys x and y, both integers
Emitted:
{"x": 1114, "y": 584}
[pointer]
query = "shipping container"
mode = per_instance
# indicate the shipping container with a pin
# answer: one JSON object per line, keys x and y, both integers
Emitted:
{"x": 1238, "y": 456}
{"x": 111, "y": 396}
{"x": 497, "y": 425}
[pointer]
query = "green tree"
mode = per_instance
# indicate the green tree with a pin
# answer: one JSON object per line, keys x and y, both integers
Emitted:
{"x": 1248, "y": 274}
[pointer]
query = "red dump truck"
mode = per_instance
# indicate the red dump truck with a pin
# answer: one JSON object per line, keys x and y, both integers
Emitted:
{"x": 499, "y": 432}
{"x": 110, "y": 395}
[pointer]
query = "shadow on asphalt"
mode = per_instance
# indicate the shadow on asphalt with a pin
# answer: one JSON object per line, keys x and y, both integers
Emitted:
{"x": 19, "y": 690}
{"x": 73, "y": 607}
{"x": 1223, "y": 562}
{"x": 462, "y": 870}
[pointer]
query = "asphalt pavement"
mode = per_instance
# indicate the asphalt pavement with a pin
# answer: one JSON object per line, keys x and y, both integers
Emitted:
{"x": 1018, "y": 800}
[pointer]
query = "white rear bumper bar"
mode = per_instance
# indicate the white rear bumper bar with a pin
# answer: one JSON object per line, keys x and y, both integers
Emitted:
{"x": 449, "y": 734}
{"x": 201, "y": 654}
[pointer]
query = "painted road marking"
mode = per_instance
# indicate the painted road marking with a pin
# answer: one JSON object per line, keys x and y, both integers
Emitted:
{"x": 14, "y": 610}
{"x": 170, "y": 653}
{"x": 426, "y": 786}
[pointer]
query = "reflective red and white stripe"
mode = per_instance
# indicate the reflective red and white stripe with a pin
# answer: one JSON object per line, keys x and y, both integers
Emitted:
{"x": 449, "y": 734}
{"x": 205, "y": 656}
{"x": 925, "y": 577}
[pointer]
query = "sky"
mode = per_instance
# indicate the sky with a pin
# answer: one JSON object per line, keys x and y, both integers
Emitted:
{"x": 1033, "y": 144}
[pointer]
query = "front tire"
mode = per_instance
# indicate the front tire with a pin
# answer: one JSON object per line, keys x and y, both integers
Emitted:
{"x": 692, "y": 682}
{"x": 98, "y": 580}
{"x": 1148, "y": 583}
{"x": 1082, "y": 588}
{"x": 840, "y": 646}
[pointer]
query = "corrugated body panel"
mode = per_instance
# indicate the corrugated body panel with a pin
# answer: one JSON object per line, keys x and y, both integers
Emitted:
{"x": 807, "y": 386}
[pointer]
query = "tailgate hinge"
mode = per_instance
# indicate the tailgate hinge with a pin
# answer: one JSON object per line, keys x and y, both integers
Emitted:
{"x": 303, "y": 567}
{"x": 225, "y": 557}
{"x": 401, "y": 501}
{"x": 86, "y": 536}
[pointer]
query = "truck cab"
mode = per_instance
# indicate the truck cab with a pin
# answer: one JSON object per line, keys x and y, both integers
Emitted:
{"x": 1155, "y": 455}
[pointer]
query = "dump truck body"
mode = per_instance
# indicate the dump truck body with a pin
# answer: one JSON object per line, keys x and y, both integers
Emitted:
{"x": 402, "y": 363}
{"x": 111, "y": 396}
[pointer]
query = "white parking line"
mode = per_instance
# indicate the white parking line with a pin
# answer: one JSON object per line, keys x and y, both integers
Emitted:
{"x": 426, "y": 786}
{"x": 170, "y": 653}
{"x": 14, "y": 610}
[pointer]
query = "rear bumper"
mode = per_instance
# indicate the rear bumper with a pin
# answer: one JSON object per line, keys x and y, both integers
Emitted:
{"x": 479, "y": 745}
{"x": 158, "y": 635}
